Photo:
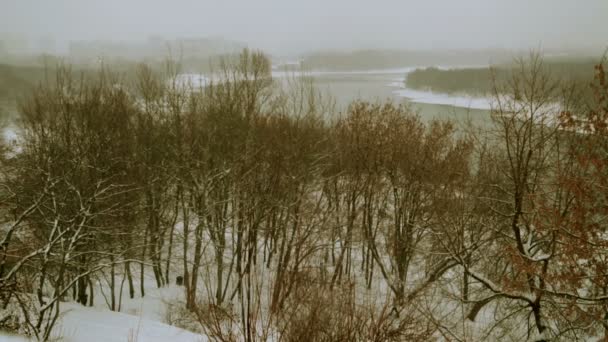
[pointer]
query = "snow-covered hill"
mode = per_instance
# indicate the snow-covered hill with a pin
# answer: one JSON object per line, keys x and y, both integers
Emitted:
{"x": 140, "y": 321}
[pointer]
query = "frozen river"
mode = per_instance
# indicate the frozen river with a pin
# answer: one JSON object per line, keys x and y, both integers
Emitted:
{"x": 379, "y": 85}
{"x": 386, "y": 84}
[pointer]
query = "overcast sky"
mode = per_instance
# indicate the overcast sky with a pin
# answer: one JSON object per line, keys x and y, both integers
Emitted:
{"x": 286, "y": 25}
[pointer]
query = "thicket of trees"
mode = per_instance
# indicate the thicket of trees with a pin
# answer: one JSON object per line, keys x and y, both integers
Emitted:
{"x": 290, "y": 221}
{"x": 373, "y": 59}
{"x": 480, "y": 81}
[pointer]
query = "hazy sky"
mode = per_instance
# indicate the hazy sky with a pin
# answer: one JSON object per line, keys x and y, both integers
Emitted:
{"x": 286, "y": 25}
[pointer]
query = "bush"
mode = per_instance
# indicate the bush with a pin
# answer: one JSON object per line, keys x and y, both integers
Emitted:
{"x": 316, "y": 312}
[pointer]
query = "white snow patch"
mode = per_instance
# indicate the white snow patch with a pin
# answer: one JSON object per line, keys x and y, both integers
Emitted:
{"x": 420, "y": 96}
{"x": 9, "y": 134}
{"x": 5, "y": 337}
{"x": 81, "y": 323}
{"x": 139, "y": 321}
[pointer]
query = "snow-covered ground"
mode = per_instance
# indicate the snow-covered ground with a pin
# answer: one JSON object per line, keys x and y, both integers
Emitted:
{"x": 80, "y": 323}
{"x": 93, "y": 324}
{"x": 140, "y": 321}
{"x": 8, "y": 133}
{"x": 420, "y": 96}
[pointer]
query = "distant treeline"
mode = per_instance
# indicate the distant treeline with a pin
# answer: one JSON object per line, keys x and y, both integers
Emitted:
{"x": 17, "y": 78}
{"x": 479, "y": 81}
{"x": 378, "y": 59}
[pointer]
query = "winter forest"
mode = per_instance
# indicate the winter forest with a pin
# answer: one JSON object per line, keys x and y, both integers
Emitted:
{"x": 275, "y": 217}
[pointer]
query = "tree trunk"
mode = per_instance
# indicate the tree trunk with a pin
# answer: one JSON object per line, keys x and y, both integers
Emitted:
{"x": 130, "y": 279}
{"x": 143, "y": 261}
{"x": 219, "y": 260}
{"x": 170, "y": 247}
{"x": 186, "y": 233}
{"x": 91, "y": 292}
{"x": 196, "y": 262}
{"x": 112, "y": 284}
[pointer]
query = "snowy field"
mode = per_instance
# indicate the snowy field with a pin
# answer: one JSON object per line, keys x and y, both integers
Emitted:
{"x": 140, "y": 321}
{"x": 9, "y": 134}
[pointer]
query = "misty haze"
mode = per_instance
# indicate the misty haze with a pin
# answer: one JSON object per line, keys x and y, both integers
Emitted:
{"x": 197, "y": 170}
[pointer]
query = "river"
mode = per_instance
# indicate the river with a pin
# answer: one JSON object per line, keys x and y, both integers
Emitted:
{"x": 381, "y": 85}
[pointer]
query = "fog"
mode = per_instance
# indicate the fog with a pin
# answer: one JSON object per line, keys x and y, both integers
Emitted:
{"x": 281, "y": 26}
